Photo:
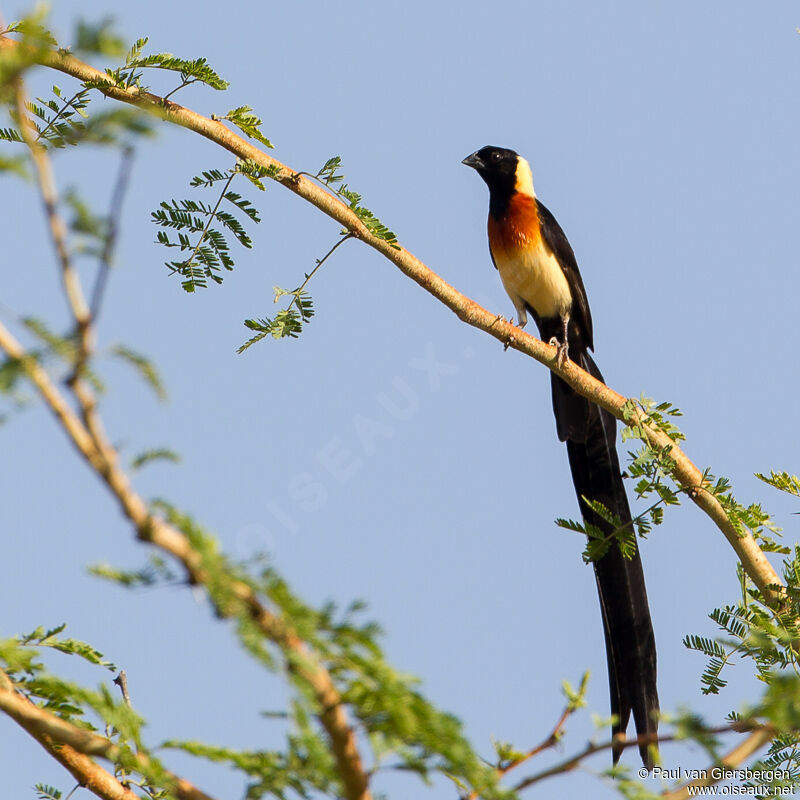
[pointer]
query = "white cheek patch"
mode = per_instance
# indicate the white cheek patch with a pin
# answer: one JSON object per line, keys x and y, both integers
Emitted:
{"x": 524, "y": 178}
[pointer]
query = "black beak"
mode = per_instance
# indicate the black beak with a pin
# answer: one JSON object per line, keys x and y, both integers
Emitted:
{"x": 474, "y": 161}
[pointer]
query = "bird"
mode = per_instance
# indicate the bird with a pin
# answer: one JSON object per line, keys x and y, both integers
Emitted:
{"x": 539, "y": 272}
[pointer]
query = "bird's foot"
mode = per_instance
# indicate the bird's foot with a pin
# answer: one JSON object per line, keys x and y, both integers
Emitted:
{"x": 563, "y": 351}
{"x": 508, "y": 343}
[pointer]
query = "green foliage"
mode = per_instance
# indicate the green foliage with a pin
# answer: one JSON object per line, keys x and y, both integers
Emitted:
{"x": 114, "y": 127}
{"x": 32, "y": 29}
{"x": 255, "y": 172}
{"x": 247, "y": 123}
{"x": 286, "y": 323}
{"x": 92, "y": 710}
{"x": 330, "y": 176}
{"x": 45, "y": 792}
{"x": 781, "y": 707}
{"x": 329, "y": 173}
{"x": 718, "y": 657}
{"x": 388, "y": 707}
{"x": 91, "y": 229}
{"x": 374, "y": 225}
{"x": 654, "y": 414}
{"x": 783, "y": 756}
{"x": 143, "y": 366}
{"x": 49, "y": 638}
{"x": 506, "y": 753}
{"x": 653, "y": 466}
{"x": 289, "y": 322}
{"x": 98, "y": 38}
{"x": 10, "y": 135}
{"x": 783, "y": 481}
{"x": 764, "y": 634}
{"x": 59, "y": 120}
{"x": 156, "y": 454}
{"x": 395, "y": 716}
{"x": 154, "y": 573}
{"x": 576, "y": 698}
{"x": 12, "y": 371}
{"x": 752, "y": 630}
{"x": 191, "y": 71}
{"x": 750, "y": 519}
{"x": 599, "y": 541}
{"x": 304, "y": 766}
{"x": 14, "y": 164}
{"x": 509, "y": 756}
{"x": 59, "y": 347}
{"x": 36, "y": 39}
{"x": 18, "y": 657}
{"x": 210, "y": 250}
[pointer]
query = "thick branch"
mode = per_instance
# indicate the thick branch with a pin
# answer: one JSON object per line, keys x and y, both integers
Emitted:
{"x": 685, "y": 472}
{"x": 73, "y": 746}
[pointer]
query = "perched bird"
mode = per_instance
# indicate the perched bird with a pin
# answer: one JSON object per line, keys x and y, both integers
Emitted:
{"x": 540, "y": 275}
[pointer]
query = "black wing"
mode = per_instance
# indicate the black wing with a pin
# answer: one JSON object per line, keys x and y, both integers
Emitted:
{"x": 557, "y": 241}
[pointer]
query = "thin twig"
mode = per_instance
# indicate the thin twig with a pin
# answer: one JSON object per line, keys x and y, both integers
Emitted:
{"x": 178, "y": 88}
{"x": 320, "y": 261}
{"x": 550, "y": 741}
{"x": 58, "y": 232}
{"x": 114, "y": 215}
{"x": 122, "y": 681}
{"x": 73, "y": 790}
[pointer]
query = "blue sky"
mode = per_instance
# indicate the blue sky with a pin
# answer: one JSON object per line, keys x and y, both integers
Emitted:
{"x": 664, "y": 137}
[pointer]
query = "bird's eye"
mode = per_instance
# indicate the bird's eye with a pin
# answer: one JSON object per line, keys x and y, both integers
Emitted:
{"x": 495, "y": 156}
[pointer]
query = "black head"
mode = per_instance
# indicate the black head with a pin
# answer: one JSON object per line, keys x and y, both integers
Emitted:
{"x": 496, "y": 165}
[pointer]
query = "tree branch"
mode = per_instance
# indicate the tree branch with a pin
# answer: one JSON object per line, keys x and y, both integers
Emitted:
{"x": 550, "y": 741}
{"x": 73, "y": 746}
{"x": 685, "y": 472}
{"x": 114, "y": 214}
{"x": 759, "y": 736}
{"x": 58, "y": 232}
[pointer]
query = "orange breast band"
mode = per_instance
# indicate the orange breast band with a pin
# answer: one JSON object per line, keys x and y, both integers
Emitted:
{"x": 518, "y": 229}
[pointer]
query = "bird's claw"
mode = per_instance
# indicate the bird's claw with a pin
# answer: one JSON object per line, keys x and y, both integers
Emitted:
{"x": 563, "y": 351}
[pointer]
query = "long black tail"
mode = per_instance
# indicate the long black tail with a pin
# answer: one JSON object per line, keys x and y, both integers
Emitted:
{"x": 590, "y": 433}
